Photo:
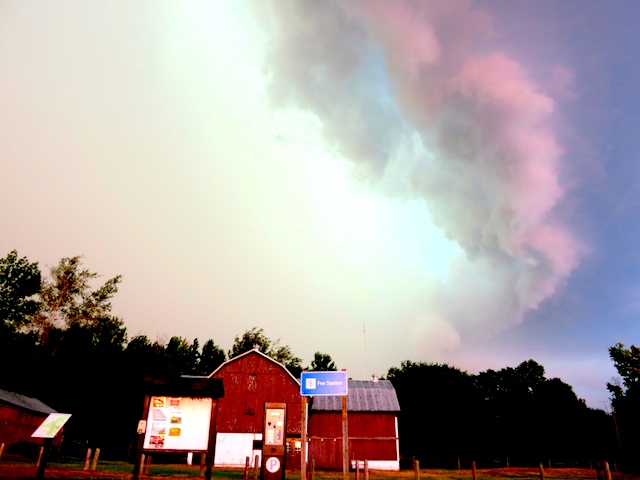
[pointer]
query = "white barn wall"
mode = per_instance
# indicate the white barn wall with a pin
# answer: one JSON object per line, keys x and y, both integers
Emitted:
{"x": 232, "y": 449}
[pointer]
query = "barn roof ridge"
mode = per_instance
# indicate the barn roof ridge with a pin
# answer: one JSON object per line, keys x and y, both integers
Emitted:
{"x": 249, "y": 352}
{"x": 24, "y": 402}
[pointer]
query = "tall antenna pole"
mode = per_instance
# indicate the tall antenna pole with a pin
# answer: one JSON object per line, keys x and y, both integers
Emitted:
{"x": 364, "y": 349}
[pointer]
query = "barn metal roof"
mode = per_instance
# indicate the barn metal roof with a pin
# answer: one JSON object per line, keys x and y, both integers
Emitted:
{"x": 364, "y": 396}
{"x": 26, "y": 403}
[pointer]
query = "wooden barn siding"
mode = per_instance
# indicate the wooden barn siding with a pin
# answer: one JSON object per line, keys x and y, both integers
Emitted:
{"x": 328, "y": 452}
{"x": 17, "y": 425}
{"x": 250, "y": 382}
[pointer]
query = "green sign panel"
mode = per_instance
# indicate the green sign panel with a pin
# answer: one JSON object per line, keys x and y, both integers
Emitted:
{"x": 52, "y": 425}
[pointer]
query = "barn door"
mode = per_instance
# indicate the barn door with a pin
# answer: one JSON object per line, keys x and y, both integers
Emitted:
{"x": 292, "y": 453}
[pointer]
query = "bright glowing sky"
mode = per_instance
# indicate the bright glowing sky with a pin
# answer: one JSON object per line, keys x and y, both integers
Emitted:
{"x": 459, "y": 177}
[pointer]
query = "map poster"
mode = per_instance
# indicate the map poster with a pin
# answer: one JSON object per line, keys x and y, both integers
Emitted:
{"x": 178, "y": 423}
{"x": 51, "y": 425}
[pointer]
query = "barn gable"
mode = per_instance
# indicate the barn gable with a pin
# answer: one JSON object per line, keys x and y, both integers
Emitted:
{"x": 253, "y": 362}
{"x": 251, "y": 380}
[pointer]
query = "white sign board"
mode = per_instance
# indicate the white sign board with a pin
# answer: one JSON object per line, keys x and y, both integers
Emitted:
{"x": 51, "y": 425}
{"x": 178, "y": 423}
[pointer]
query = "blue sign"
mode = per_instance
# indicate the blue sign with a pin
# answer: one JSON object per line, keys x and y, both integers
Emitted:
{"x": 324, "y": 383}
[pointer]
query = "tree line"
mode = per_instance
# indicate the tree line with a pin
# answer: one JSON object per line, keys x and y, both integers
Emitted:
{"x": 61, "y": 343}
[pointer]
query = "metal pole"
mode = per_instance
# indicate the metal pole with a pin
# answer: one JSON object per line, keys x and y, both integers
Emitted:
{"x": 303, "y": 439}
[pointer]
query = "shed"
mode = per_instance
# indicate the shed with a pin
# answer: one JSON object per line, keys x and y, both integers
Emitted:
{"x": 20, "y": 416}
{"x": 251, "y": 380}
{"x": 372, "y": 408}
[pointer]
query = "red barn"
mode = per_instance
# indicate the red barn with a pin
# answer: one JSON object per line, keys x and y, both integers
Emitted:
{"x": 250, "y": 380}
{"x": 372, "y": 408}
{"x": 20, "y": 416}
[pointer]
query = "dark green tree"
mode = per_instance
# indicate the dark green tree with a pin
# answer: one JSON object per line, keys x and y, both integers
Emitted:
{"x": 180, "y": 357}
{"x": 67, "y": 299}
{"x": 255, "y": 338}
{"x": 322, "y": 362}
{"x": 627, "y": 363}
{"x": 19, "y": 284}
{"x": 625, "y": 400}
{"x": 438, "y": 412}
{"x": 212, "y": 357}
{"x": 509, "y": 410}
{"x": 250, "y": 339}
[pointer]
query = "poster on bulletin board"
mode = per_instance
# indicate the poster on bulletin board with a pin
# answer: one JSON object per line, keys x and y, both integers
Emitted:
{"x": 178, "y": 423}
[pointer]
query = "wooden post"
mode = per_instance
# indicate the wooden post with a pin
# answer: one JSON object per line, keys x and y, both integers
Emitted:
{"x": 40, "y": 457}
{"x": 312, "y": 470}
{"x": 139, "y": 461}
{"x": 598, "y": 471}
{"x": 256, "y": 466}
{"x": 246, "y": 468}
{"x": 87, "y": 459}
{"x": 203, "y": 457}
{"x": 43, "y": 457}
{"x": 458, "y": 462}
{"x": 549, "y": 464}
{"x": 607, "y": 472}
{"x": 211, "y": 445}
{"x": 95, "y": 459}
{"x": 357, "y": 469}
{"x": 1, "y": 449}
{"x": 147, "y": 465}
{"x": 507, "y": 462}
{"x": 366, "y": 469}
{"x": 541, "y": 472}
{"x": 303, "y": 438}
{"x": 416, "y": 469}
{"x": 474, "y": 474}
{"x": 141, "y": 466}
{"x": 345, "y": 440}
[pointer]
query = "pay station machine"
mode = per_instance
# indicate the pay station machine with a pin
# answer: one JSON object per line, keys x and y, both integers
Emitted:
{"x": 274, "y": 432}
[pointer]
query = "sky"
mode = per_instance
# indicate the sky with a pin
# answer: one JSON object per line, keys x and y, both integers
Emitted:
{"x": 449, "y": 181}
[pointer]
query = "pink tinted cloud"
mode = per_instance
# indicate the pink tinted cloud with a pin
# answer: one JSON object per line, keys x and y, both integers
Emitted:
{"x": 491, "y": 179}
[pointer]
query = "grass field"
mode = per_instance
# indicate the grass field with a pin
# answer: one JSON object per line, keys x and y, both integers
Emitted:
{"x": 12, "y": 468}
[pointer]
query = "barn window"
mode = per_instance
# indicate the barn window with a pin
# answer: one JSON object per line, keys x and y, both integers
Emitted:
{"x": 294, "y": 446}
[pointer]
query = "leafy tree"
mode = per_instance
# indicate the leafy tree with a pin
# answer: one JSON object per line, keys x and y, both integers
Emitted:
{"x": 438, "y": 412}
{"x": 179, "y": 357}
{"x": 142, "y": 356}
{"x": 212, "y": 357}
{"x": 255, "y": 337}
{"x": 67, "y": 299}
{"x": 627, "y": 363}
{"x": 284, "y": 355}
{"x": 626, "y": 400}
{"x": 249, "y": 340}
{"x": 322, "y": 362}
{"x": 19, "y": 283}
{"x": 509, "y": 409}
